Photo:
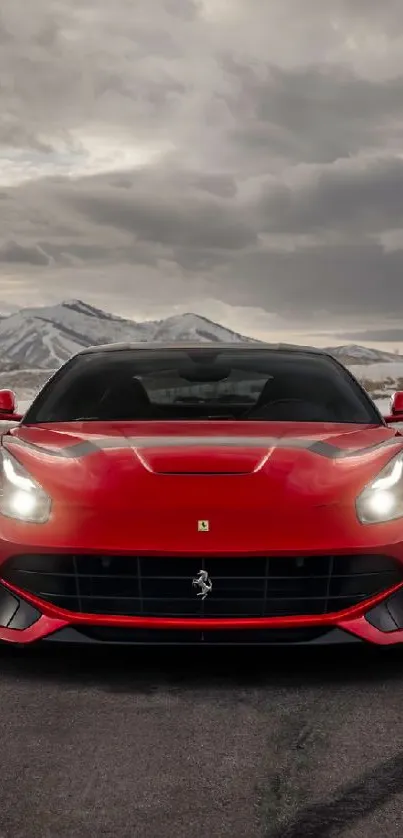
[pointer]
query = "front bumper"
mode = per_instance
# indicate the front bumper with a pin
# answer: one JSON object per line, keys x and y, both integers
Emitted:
{"x": 25, "y": 619}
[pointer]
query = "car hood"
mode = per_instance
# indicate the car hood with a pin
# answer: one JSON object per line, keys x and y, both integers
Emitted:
{"x": 201, "y": 448}
{"x": 158, "y": 479}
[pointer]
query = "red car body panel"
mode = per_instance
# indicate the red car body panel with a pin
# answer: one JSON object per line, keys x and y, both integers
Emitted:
{"x": 266, "y": 488}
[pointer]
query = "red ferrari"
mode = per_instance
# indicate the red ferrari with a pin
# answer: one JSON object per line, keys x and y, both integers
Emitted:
{"x": 207, "y": 494}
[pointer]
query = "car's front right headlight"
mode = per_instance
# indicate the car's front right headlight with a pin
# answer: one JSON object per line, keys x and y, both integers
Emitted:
{"x": 382, "y": 500}
{"x": 21, "y": 497}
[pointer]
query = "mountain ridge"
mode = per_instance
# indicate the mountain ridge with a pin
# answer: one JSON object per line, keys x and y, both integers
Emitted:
{"x": 44, "y": 337}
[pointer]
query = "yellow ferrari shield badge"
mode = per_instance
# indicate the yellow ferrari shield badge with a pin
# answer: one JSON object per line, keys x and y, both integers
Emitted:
{"x": 203, "y": 526}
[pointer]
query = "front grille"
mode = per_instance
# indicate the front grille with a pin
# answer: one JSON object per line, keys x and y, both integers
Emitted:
{"x": 156, "y": 586}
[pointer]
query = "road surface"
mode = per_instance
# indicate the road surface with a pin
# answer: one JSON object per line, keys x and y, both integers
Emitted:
{"x": 201, "y": 744}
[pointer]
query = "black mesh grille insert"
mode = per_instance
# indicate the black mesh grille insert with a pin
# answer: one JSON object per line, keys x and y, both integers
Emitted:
{"x": 156, "y": 586}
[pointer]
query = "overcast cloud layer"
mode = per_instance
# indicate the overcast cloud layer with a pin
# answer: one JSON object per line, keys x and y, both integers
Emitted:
{"x": 239, "y": 158}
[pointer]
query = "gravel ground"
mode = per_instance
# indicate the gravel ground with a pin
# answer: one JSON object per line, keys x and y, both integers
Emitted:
{"x": 201, "y": 743}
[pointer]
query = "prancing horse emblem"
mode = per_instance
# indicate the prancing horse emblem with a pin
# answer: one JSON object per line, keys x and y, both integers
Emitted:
{"x": 203, "y": 582}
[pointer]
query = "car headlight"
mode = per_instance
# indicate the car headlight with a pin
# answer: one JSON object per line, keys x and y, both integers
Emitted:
{"x": 21, "y": 496}
{"x": 382, "y": 500}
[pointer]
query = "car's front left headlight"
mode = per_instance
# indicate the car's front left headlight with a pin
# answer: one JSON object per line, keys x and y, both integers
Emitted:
{"x": 21, "y": 497}
{"x": 382, "y": 500}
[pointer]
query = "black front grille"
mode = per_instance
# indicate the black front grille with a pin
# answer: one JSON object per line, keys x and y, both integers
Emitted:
{"x": 155, "y": 586}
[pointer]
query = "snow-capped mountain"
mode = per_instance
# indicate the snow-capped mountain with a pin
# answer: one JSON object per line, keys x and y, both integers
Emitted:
{"x": 46, "y": 337}
{"x": 352, "y": 354}
{"x": 192, "y": 327}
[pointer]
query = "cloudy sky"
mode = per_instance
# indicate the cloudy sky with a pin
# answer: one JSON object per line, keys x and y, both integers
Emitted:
{"x": 238, "y": 158}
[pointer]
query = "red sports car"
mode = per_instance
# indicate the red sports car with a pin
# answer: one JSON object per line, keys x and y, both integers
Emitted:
{"x": 216, "y": 494}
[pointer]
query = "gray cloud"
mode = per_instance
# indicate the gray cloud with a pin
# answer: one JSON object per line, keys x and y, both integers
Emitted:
{"x": 208, "y": 224}
{"x": 366, "y": 196}
{"x": 313, "y": 114}
{"x": 374, "y": 335}
{"x": 321, "y": 284}
{"x": 12, "y": 252}
{"x": 185, "y": 150}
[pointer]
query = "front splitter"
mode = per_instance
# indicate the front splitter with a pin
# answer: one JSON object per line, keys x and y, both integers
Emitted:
{"x": 154, "y": 637}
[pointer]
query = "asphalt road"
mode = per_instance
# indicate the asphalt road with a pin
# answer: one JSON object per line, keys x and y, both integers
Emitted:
{"x": 201, "y": 744}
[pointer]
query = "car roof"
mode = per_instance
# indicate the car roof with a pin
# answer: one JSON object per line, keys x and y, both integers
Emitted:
{"x": 243, "y": 346}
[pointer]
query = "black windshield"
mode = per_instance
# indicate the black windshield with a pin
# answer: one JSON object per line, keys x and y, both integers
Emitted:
{"x": 178, "y": 384}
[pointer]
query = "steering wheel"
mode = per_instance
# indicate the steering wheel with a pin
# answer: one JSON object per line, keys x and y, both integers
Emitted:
{"x": 267, "y": 407}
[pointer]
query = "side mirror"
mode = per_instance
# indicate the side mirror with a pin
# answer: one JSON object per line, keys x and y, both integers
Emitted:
{"x": 396, "y": 408}
{"x": 8, "y": 406}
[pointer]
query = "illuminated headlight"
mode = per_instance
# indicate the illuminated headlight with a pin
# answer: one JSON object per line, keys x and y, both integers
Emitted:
{"x": 21, "y": 496}
{"x": 382, "y": 500}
